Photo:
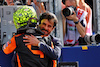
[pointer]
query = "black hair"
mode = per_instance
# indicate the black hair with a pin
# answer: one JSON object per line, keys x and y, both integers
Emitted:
{"x": 63, "y": 1}
{"x": 48, "y": 15}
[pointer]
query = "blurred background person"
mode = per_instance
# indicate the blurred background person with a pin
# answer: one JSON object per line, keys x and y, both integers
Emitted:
{"x": 88, "y": 9}
{"x": 16, "y": 2}
{"x": 75, "y": 23}
{"x": 38, "y": 6}
{"x": 10, "y": 2}
{"x": 3, "y": 2}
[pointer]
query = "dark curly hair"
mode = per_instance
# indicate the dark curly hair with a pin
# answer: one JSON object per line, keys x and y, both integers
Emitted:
{"x": 50, "y": 16}
{"x": 63, "y": 1}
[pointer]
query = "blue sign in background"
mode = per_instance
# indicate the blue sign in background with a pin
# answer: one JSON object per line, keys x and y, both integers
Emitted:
{"x": 85, "y": 58}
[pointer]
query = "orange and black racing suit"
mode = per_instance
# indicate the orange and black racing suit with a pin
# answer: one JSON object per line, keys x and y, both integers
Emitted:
{"x": 32, "y": 56}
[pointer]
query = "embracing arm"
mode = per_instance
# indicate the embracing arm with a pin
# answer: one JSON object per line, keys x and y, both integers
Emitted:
{"x": 53, "y": 53}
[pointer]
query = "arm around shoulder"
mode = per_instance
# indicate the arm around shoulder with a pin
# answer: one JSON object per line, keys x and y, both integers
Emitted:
{"x": 53, "y": 53}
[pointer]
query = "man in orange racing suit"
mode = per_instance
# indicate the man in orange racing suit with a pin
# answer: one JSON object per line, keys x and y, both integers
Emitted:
{"x": 42, "y": 51}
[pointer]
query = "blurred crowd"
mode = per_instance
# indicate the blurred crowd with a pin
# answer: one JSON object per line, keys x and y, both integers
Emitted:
{"x": 86, "y": 23}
